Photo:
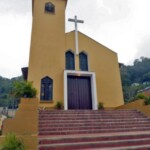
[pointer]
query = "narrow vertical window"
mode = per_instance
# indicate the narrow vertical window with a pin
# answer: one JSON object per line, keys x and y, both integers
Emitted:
{"x": 49, "y": 7}
{"x": 46, "y": 89}
{"x": 83, "y": 61}
{"x": 70, "y": 64}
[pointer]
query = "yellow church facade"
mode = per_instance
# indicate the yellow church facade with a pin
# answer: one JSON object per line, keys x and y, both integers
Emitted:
{"x": 79, "y": 80}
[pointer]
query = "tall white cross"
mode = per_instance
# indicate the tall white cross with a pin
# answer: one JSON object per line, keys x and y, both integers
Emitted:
{"x": 76, "y": 21}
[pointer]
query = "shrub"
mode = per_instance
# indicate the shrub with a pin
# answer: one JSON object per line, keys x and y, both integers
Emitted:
{"x": 24, "y": 89}
{"x": 147, "y": 101}
{"x": 59, "y": 105}
{"x": 100, "y": 106}
{"x": 140, "y": 96}
{"x": 11, "y": 142}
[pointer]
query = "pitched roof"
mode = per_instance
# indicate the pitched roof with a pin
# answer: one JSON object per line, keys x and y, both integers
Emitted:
{"x": 92, "y": 40}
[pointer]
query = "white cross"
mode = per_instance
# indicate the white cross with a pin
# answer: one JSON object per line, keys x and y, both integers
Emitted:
{"x": 76, "y": 32}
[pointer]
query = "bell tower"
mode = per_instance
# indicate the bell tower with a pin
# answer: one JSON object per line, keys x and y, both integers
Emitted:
{"x": 47, "y": 39}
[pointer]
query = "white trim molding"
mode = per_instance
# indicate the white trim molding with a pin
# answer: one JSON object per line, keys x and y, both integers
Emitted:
{"x": 84, "y": 74}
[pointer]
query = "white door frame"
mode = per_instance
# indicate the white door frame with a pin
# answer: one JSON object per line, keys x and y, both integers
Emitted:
{"x": 84, "y": 74}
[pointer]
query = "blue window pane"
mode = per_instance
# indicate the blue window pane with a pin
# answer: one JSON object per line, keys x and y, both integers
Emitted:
{"x": 70, "y": 64}
{"x": 46, "y": 89}
{"x": 49, "y": 7}
{"x": 83, "y": 62}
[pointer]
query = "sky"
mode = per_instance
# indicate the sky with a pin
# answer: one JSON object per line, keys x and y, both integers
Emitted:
{"x": 121, "y": 25}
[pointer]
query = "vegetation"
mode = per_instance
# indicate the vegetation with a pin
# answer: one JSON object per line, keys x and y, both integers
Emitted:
{"x": 59, "y": 105}
{"x": 135, "y": 77}
{"x": 12, "y": 89}
{"x": 142, "y": 96}
{"x": 11, "y": 142}
{"x": 6, "y": 87}
{"x": 100, "y": 106}
{"x": 24, "y": 89}
{"x": 147, "y": 101}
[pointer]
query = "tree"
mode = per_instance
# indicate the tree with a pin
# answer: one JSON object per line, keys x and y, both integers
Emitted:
{"x": 24, "y": 89}
{"x": 138, "y": 73}
{"x": 6, "y": 86}
{"x": 11, "y": 142}
{"x": 146, "y": 77}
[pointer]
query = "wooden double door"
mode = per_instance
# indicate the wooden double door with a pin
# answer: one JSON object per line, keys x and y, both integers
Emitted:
{"x": 79, "y": 92}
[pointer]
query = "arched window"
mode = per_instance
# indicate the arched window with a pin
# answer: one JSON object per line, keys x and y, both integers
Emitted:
{"x": 46, "y": 88}
{"x": 70, "y": 64}
{"x": 83, "y": 61}
{"x": 49, "y": 7}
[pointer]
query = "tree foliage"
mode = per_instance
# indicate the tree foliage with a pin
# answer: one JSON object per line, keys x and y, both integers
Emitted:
{"x": 6, "y": 86}
{"x": 12, "y": 89}
{"x": 11, "y": 142}
{"x": 24, "y": 89}
{"x": 135, "y": 77}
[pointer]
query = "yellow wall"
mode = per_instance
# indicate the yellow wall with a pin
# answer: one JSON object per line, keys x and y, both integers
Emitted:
{"x": 138, "y": 105}
{"x": 47, "y": 46}
{"x": 145, "y": 110}
{"x": 133, "y": 105}
{"x": 47, "y": 56}
{"x": 25, "y": 123}
{"x": 104, "y": 63}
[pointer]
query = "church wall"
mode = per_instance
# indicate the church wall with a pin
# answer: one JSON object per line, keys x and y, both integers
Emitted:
{"x": 47, "y": 46}
{"x": 47, "y": 56}
{"x": 104, "y": 63}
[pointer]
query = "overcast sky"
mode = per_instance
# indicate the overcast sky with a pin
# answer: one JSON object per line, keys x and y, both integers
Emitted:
{"x": 121, "y": 25}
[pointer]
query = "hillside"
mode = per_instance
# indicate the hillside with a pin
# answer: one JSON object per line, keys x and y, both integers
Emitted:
{"x": 6, "y": 86}
{"x": 135, "y": 77}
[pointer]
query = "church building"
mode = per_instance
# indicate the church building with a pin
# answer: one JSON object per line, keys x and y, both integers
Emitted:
{"x": 70, "y": 67}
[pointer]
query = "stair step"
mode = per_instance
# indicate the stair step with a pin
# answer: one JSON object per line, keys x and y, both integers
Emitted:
{"x": 93, "y": 124}
{"x": 96, "y": 144}
{"x": 89, "y": 117}
{"x": 104, "y": 119}
{"x": 139, "y": 147}
{"x": 88, "y": 111}
{"x": 91, "y": 130}
{"x": 53, "y": 140}
{"x": 91, "y": 127}
{"x": 90, "y": 114}
{"x": 94, "y": 120}
{"x": 67, "y": 132}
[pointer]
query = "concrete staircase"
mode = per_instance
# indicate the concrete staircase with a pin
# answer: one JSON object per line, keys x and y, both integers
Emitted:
{"x": 88, "y": 129}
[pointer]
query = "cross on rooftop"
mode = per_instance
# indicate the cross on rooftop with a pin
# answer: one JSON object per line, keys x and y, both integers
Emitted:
{"x": 76, "y": 21}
